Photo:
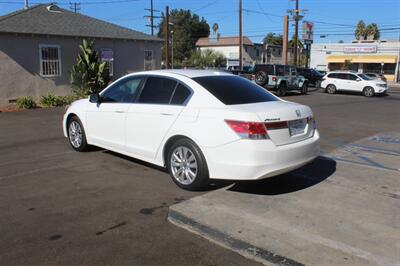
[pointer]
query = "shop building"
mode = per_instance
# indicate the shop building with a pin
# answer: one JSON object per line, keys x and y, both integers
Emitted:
{"x": 362, "y": 56}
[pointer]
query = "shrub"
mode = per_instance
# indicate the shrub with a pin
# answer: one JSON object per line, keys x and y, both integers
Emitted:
{"x": 25, "y": 102}
{"x": 51, "y": 100}
{"x": 88, "y": 75}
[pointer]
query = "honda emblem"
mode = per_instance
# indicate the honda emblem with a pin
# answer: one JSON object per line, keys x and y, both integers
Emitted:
{"x": 298, "y": 113}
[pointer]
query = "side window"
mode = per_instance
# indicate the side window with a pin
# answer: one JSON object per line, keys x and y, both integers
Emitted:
{"x": 180, "y": 95}
{"x": 157, "y": 90}
{"x": 124, "y": 91}
{"x": 351, "y": 77}
{"x": 342, "y": 76}
{"x": 280, "y": 71}
{"x": 333, "y": 76}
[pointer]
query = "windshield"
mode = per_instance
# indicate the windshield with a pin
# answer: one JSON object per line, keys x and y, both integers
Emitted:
{"x": 234, "y": 90}
{"x": 365, "y": 77}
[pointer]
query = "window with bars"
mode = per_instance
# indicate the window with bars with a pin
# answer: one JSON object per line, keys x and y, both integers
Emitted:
{"x": 50, "y": 60}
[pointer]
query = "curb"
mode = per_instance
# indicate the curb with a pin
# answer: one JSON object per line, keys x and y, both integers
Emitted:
{"x": 244, "y": 248}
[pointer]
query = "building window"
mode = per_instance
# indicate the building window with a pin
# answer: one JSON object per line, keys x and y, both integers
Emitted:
{"x": 148, "y": 60}
{"x": 107, "y": 55}
{"x": 50, "y": 60}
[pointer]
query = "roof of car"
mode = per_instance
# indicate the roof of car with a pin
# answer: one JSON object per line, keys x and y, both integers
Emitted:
{"x": 190, "y": 73}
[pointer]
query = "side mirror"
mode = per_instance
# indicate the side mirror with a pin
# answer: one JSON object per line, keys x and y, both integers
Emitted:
{"x": 358, "y": 79}
{"x": 95, "y": 98}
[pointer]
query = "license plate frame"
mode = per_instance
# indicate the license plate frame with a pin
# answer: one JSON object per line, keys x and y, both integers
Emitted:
{"x": 297, "y": 127}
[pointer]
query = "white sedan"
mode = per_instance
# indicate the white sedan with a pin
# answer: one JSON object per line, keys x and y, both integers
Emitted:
{"x": 198, "y": 124}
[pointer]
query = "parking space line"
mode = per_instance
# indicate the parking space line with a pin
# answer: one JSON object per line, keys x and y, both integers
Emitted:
{"x": 30, "y": 172}
{"x": 383, "y": 168}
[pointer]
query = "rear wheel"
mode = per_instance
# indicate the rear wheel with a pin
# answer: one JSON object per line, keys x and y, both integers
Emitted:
{"x": 304, "y": 88}
{"x": 282, "y": 89}
{"x": 261, "y": 78}
{"x": 368, "y": 91}
{"x": 331, "y": 89}
{"x": 187, "y": 165}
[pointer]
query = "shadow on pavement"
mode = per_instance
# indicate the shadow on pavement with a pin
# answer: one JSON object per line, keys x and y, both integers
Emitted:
{"x": 305, "y": 177}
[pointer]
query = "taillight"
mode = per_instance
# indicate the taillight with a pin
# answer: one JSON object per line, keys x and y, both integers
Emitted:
{"x": 248, "y": 130}
{"x": 311, "y": 121}
{"x": 274, "y": 78}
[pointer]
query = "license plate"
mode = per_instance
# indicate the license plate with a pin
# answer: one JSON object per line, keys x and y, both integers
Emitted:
{"x": 296, "y": 127}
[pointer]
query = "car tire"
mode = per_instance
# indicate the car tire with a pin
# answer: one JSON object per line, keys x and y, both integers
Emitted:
{"x": 187, "y": 165}
{"x": 368, "y": 91}
{"x": 331, "y": 89}
{"x": 261, "y": 78}
{"x": 282, "y": 89}
{"x": 76, "y": 134}
{"x": 304, "y": 88}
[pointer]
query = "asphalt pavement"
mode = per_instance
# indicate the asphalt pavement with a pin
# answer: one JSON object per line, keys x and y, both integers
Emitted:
{"x": 100, "y": 208}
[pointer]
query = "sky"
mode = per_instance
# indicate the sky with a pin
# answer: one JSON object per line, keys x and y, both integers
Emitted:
{"x": 333, "y": 20}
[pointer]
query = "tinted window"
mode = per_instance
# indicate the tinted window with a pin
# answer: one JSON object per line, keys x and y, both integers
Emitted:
{"x": 351, "y": 77}
{"x": 124, "y": 91}
{"x": 365, "y": 77}
{"x": 157, "y": 90}
{"x": 333, "y": 75}
{"x": 341, "y": 76}
{"x": 234, "y": 90}
{"x": 180, "y": 95}
{"x": 280, "y": 70}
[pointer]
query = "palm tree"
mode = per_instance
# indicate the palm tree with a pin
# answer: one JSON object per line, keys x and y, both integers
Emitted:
{"x": 360, "y": 30}
{"x": 372, "y": 32}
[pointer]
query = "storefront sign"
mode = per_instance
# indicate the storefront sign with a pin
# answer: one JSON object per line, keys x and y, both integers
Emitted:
{"x": 360, "y": 49}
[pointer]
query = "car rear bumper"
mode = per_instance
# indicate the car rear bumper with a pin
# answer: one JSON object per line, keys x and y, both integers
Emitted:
{"x": 258, "y": 159}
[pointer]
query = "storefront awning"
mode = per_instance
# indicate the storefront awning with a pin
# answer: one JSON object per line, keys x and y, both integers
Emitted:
{"x": 388, "y": 59}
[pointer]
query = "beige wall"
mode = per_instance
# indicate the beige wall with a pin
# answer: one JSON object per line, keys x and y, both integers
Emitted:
{"x": 20, "y": 64}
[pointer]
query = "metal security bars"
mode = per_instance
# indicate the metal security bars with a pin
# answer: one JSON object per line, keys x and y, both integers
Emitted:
{"x": 50, "y": 60}
{"x": 148, "y": 60}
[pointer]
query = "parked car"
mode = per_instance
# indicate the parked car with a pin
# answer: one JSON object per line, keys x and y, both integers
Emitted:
{"x": 376, "y": 76}
{"x": 280, "y": 78}
{"x": 350, "y": 81}
{"x": 198, "y": 124}
{"x": 313, "y": 76}
{"x": 247, "y": 72}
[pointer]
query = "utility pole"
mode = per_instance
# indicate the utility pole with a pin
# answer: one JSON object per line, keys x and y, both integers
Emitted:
{"x": 240, "y": 37}
{"x": 296, "y": 32}
{"x": 166, "y": 38}
{"x": 297, "y": 17}
{"x": 74, "y": 6}
{"x": 151, "y": 17}
{"x": 285, "y": 40}
{"x": 26, "y": 4}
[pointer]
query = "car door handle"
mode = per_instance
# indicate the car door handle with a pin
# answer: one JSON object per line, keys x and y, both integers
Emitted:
{"x": 120, "y": 111}
{"x": 168, "y": 114}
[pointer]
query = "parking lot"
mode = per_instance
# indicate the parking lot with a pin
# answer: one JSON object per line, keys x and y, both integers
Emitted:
{"x": 62, "y": 207}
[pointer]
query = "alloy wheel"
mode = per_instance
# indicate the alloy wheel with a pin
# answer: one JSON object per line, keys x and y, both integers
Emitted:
{"x": 75, "y": 134}
{"x": 183, "y": 165}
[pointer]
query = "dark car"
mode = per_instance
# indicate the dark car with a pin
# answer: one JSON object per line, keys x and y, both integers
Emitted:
{"x": 313, "y": 76}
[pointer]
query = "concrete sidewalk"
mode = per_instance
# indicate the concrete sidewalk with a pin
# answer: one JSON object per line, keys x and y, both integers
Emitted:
{"x": 343, "y": 209}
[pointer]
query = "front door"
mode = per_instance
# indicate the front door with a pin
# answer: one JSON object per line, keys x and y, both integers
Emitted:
{"x": 106, "y": 120}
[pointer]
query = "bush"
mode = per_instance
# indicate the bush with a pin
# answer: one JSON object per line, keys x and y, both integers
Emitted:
{"x": 50, "y": 100}
{"x": 25, "y": 102}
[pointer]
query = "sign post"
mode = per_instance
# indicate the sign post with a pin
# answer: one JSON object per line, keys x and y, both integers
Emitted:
{"x": 308, "y": 36}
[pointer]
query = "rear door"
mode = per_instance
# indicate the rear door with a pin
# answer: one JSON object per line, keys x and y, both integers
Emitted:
{"x": 148, "y": 121}
{"x": 341, "y": 81}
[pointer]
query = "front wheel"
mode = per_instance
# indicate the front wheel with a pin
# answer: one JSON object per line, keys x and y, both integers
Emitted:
{"x": 368, "y": 91}
{"x": 187, "y": 165}
{"x": 76, "y": 135}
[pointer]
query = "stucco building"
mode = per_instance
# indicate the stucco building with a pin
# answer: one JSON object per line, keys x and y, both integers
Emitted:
{"x": 362, "y": 56}
{"x": 39, "y": 45}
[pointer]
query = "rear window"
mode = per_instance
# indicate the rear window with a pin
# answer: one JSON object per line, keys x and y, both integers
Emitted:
{"x": 232, "y": 90}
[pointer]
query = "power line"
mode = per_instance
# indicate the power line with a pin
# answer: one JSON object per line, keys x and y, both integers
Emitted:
{"x": 151, "y": 17}
{"x": 75, "y": 6}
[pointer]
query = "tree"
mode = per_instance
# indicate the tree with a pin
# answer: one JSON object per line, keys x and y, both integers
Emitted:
{"x": 360, "y": 30}
{"x": 299, "y": 43}
{"x": 372, "y": 32}
{"x": 273, "y": 39}
{"x": 206, "y": 58}
{"x": 88, "y": 75}
{"x": 188, "y": 28}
